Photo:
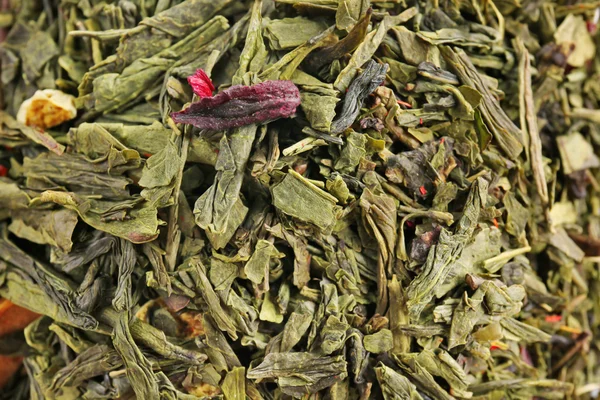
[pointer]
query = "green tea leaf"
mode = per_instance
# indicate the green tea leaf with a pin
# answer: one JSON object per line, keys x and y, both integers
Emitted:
{"x": 298, "y": 373}
{"x": 298, "y": 197}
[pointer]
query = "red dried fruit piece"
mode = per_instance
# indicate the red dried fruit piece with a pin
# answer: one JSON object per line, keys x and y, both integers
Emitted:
{"x": 242, "y": 105}
{"x": 201, "y": 84}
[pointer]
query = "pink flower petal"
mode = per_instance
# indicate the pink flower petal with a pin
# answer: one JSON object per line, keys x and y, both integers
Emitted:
{"x": 201, "y": 84}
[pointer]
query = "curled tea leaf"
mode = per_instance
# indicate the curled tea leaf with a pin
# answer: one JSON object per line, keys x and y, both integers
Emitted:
{"x": 300, "y": 373}
{"x": 372, "y": 76}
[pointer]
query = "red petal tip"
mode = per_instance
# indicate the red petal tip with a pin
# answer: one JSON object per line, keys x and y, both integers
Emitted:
{"x": 201, "y": 84}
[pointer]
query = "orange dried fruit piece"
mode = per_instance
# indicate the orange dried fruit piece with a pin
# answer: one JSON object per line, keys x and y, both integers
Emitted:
{"x": 13, "y": 317}
{"x": 47, "y": 108}
{"x": 9, "y": 365}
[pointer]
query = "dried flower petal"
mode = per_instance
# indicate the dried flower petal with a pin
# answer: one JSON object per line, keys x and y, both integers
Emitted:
{"x": 242, "y": 105}
{"x": 201, "y": 84}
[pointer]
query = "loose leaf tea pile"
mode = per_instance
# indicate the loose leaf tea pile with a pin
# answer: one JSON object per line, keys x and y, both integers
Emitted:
{"x": 299, "y": 199}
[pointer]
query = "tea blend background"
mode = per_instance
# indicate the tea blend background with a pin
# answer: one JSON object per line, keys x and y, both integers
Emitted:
{"x": 352, "y": 199}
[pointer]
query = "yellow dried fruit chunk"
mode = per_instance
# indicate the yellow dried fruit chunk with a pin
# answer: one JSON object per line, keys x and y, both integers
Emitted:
{"x": 47, "y": 108}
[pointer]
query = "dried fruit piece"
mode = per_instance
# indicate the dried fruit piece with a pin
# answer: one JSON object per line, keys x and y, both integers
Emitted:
{"x": 14, "y": 318}
{"x": 47, "y": 108}
{"x": 8, "y": 366}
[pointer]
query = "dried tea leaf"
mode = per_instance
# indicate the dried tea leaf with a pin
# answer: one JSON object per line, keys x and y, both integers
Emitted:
{"x": 368, "y": 47}
{"x": 258, "y": 266}
{"x": 318, "y": 100}
{"x": 140, "y": 227}
{"x": 379, "y": 342}
{"x": 53, "y": 227}
{"x": 359, "y": 89}
{"x": 36, "y": 135}
{"x": 576, "y": 153}
{"x": 395, "y": 386}
{"x": 95, "y": 361}
{"x": 161, "y": 168}
{"x": 137, "y": 366}
{"x": 299, "y": 198}
{"x": 287, "y": 33}
{"x": 504, "y": 130}
{"x": 445, "y": 253}
{"x": 349, "y": 12}
{"x": 300, "y": 373}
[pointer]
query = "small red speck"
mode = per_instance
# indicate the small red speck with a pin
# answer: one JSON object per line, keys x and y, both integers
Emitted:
{"x": 147, "y": 155}
{"x": 423, "y": 190}
{"x": 442, "y": 140}
{"x": 591, "y": 27}
{"x": 301, "y": 168}
{"x": 347, "y": 90}
{"x": 3, "y": 170}
{"x": 494, "y": 347}
{"x": 495, "y": 221}
{"x": 553, "y": 318}
{"x": 420, "y": 121}
{"x": 410, "y": 224}
{"x": 404, "y": 103}
{"x": 216, "y": 151}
